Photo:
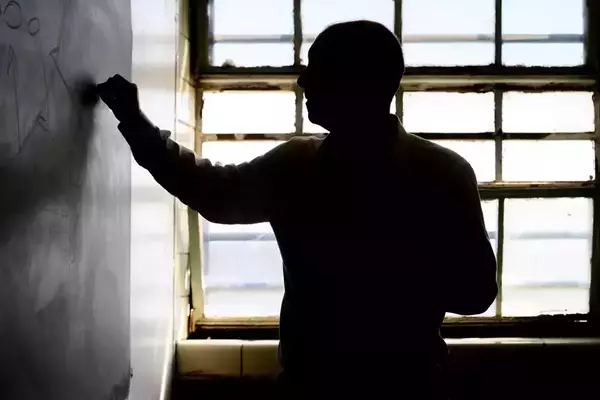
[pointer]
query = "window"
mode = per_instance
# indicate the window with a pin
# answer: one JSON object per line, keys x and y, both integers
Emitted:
{"x": 511, "y": 94}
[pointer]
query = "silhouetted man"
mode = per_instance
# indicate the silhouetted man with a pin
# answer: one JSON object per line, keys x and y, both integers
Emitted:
{"x": 381, "y": 232}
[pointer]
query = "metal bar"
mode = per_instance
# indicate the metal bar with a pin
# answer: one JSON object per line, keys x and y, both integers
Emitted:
{"x": 498, "y": 136}
{"x": 459, "y": 79}
{"x": 595, "y": 267}
{"x": 500, "y": 256}
{"x": 270, "y": 237}
{"x": 438, "y": 136}
{"x": 491, "y": 191}
{"x": 592, "y": 35}
{"x": 399, "y": 99}
{"x": 215, "y": 323}
{"x": 592, "y": 31}
{"x": 210, "y": 30}
{"x": 298, "y": 36}
{"x": 490, "y": 72}
{"x": 299, "y": 96}
{"x": 498, "y": 33}
{"x": 200, "y": 26}
{"x": 417, "y": 39}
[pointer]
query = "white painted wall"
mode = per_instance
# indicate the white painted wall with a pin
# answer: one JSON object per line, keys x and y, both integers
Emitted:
{"x": 152, "y": 226}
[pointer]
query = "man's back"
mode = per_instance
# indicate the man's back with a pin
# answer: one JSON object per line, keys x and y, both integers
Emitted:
{"x": 361, "y": 231}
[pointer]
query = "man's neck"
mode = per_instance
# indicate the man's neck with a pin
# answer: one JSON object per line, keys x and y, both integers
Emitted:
{"x": 359, "y": 124}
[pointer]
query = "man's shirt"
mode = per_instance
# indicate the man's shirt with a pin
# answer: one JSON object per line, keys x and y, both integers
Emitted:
{"x": 379, "y": 238}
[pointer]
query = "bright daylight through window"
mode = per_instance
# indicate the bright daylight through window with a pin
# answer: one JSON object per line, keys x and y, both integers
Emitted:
{"x": 532, "y": 149}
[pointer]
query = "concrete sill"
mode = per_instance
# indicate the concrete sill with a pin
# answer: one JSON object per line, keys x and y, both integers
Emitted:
{"x": 258, "y": 359}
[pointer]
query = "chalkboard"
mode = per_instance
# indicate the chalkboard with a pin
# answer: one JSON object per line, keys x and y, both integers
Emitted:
{"x": 64, "y": 202}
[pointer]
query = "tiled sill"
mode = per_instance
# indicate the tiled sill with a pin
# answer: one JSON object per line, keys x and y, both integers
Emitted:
{"x": 239, "y": 358}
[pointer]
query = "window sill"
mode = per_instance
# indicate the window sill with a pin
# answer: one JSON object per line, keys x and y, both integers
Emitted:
{"x": 258, "y": 359}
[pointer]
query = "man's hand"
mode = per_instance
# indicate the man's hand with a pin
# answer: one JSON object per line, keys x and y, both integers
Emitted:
{"x": 121, "y": 96}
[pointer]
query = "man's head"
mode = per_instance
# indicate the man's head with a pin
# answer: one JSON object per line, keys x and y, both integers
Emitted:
{"x": 353, "y": 67}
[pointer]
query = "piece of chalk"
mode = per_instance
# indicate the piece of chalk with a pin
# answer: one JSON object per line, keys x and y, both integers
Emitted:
{"x": 87, "y": 92}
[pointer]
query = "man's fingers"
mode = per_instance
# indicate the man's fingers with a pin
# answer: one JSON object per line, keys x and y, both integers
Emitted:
{"x": 121, "y": 82}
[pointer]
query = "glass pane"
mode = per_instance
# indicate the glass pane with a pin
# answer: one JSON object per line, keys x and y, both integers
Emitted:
{"x": 235, "y": 17}
{"x": 222, "y": 302}
{"x": 441, "y": 112}
{"x": 480, "y": 154}
{"x": 548, "y": 112}
{"x": 252, "y": 54}
{"x": 448, "y": 54}
{"x": 242, "y": 263}
{"x": 318, "y": 14}
{"x": 248, "y": 112}
{"x": 543, "y": 54}
{"x": 447, "y": 17}
{"x": 550, "y": 160}
{"x": 490, "y": 214}
{"x": 551, "y": 16}
{"x": 233, "y": 261}
{"x": 547, "y": 250}
{"x": 309, "y": 127}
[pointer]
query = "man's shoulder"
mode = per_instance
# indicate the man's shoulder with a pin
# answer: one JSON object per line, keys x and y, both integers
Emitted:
{"x": 302, "y": 145}
{"x": 432, "y": 155}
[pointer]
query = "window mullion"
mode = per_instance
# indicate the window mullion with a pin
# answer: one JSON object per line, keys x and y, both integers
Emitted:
{"x": 498, "y": 97}
{"x": 592, "y": 36}
{"x": 398, "y": 32}
{"x": 299, "y": 120}
{"x": 500, "y": 255}
{"x": 595, "y": 267}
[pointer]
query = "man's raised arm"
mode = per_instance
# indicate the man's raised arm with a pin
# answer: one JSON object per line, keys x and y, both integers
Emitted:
{"x": 231, "y": 194}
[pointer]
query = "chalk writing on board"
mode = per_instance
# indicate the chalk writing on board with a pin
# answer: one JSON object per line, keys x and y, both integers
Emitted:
{"x": 13, "y": 17}
{"x": 54, "y": 54}
{"x": 12, "y": 14}
{"x": 33, "y": 26}
{"x": 13, "y": 69}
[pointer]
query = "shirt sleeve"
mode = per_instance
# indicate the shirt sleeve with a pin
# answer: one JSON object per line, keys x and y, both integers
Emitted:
{"x": 469, "y": 269}
{"x": 226, "y": 194}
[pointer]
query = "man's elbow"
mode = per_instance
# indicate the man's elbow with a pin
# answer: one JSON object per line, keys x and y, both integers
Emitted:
{"x": 477, "y": 300}
{"x": 477, "y": 292}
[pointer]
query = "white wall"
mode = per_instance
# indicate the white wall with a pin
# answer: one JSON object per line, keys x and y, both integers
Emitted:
{"x": 155, "y": 35}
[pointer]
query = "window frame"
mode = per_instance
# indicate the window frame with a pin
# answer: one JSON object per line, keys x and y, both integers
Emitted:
{"x": 495, "y": 78}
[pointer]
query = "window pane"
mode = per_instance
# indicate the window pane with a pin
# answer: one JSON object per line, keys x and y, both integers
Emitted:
{"x": 248, "y": 112}
{"x": 547, "y": 250}
{"x": 318, "y": 14}
{"x": 480, "y": 154}
{"x": 490, "y": 214}
{"x": 550, "y": 160}
{"x": 543, "y": 54}
{"x": 448, "y": 54}
{"x": 309, "y": 127}
{"x": 235, "y": 17}
{"x": 242, "y": 265}
{"x": 551, "y": 16}
{"x": 223, "y": 302}
{"x": 253, "y": 54}
{"x": 449, "y": 112}
{"x": 447, "y": 17}
{"x": 548, "y": 112}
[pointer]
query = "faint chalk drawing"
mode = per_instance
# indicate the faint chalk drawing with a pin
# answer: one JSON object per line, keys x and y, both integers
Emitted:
{"x": 33, "y": 26}
{"x": 54, "y": 53}
{"x": 12, "y": 65}
{"x": 13, "y": 15}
